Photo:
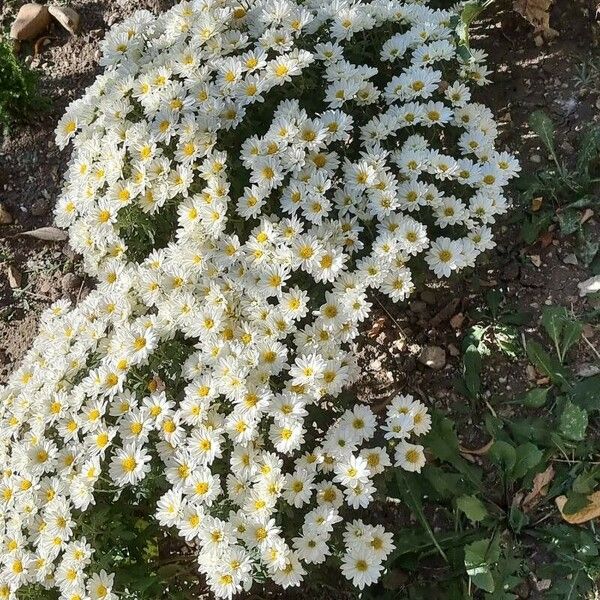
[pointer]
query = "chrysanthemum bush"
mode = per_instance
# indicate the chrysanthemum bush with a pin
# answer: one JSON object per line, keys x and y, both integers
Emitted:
{"x": 243, "y": 178}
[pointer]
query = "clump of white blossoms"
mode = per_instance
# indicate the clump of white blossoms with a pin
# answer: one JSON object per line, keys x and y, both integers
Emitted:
{"x": 240, "y": 184}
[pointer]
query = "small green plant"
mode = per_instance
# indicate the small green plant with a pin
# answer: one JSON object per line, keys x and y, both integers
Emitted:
{"x": 19, "y": 95}
{"x": 561, "y": 192}
{"x": 487, "y": 522}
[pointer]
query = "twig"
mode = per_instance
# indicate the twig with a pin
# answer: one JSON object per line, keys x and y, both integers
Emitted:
{"x": 385, "y": 310}
{"x": 592, "y": 347}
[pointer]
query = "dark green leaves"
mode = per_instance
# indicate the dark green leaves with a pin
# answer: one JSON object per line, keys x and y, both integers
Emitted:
{"x": 542, "y": 126}
{"x": 534, "y": 398}
{"x": 546, "y": 364}
{"x": 573, "y": 422}
{"x": 563, "y": 330}
{"x": 473, "y": 508}
{"x": 480, "y": 558}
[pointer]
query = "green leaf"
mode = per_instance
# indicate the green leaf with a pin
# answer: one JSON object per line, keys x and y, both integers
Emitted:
{"x": 553, "y": 320}
{"x": 573, "y": 422}
{"x": 535, "y": 398}
{"x": 534, "y": 225}
{"x": 528, "y": 456}
{"x": 542, "y": 126}
{"x": 568, "y": 221}
{"x": 413, "y": 501}
{"x": 586, "y": 393}
{"x": 473, "y": 508}
{"x": 588, "y": 149}
{"x": 503, "y": 455}
{"x": 480, "y": 556}
{"x": 587, "y": 246}
{"x": 545, "y": 364}
{"x": 472, "y": 365}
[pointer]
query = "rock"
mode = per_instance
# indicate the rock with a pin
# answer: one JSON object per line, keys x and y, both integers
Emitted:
{"x": 14, "y": 277}
{"x": 5, "y": 216}
{"x": 66, "y": 16}
{"x": 570, "y": 259}
{"x": 536, "y": 260}
{"x": 535, "y": 158}
{"x": 433, "y": 357}
{"x": 589, "y": 286}
{"x": 588, "y": 370}
{"x": 457, "y": 320}
{"x": 454, "y": 351}
{"x": 32, "y": 20}
{"x": 70, "y": 282}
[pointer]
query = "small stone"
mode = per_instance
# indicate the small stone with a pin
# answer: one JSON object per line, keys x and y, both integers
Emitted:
{"x": 453, "y": 350}
{"x": 535, "y": 158}
{"x": 536, "y": 261}
{"x": 32, "y": 20}
{"x": 570, "y": 259}
{"x": 70, "y": 282}
{"x": 530, "y": 371}
{"x": 457, "y": 320}
{"x": 589, "y": 286}
{"x": 14, "y": 277}
{"x": 588, "y": 370}
{"x": 5, "y": 216}
{"x": 66, "y": 16}
{"x": 433, "y": 357}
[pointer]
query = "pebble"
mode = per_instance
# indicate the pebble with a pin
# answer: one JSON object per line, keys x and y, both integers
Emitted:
{"x": 14, "y": 277}
{"x": 535, "y": 158}
{"x": 433, "y": 357}
{"x": 31, "y": 20}
{"x": 5, "y": 216}
{"x": 570, "y": 259}
{"x": 589, "y": 286}
{"x": 66, "y": 16}
{"x": 457, "y": 320}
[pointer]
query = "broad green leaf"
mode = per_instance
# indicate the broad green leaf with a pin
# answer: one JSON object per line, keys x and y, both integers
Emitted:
{"x": 571, "y": 334}
{"x": 542, "y": 126}
{"x": 586, "y": 393}
{"x": 507, "y": 340}
{"x": 586, "y": 482}
{"x": 527, "y": 457}
{"x": 573, "y": 422}
{"x": 587, "y": 246}
{"x": 588, "y": 149}
{"x": 535, "y": 398}
{"x": 473, "y": 508}
{"x": 503, "y": 455}
{"x": 480, "y": 556}
{"x": 442, "y": 442}
{"x": 553, "y": 320}
{"x": 532, "y": 227}
{"x": 546, "y": 364}
{"x": 568, "y": 221}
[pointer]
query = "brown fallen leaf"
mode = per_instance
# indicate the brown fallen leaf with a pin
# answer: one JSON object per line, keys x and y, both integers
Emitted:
{"x": 540, "y": 487}
{"x": 14, "y": 277}
{"x": 47, "y": 234}
{"x": 457, "y": 320}
{"x": 591, "y": 511}
{"x": 546, "y": 239}
{"x": 536, "y": 203}
{"x": 377, "y": 327}
{"x": 537, "y": 12}
{"x": 477, "y": 451}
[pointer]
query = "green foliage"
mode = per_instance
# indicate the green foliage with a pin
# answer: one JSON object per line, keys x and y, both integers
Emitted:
{"x": 19, "y": 95}
{"x": 482, "y": 519}
{"x": 563, "y": 191}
